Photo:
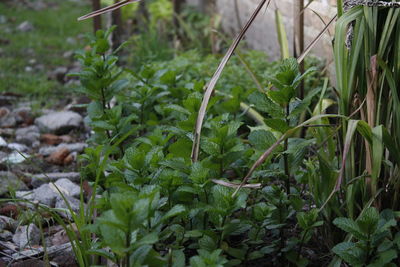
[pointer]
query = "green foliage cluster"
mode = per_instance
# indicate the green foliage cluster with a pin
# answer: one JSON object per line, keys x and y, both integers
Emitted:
{"x": 156, "y": 207}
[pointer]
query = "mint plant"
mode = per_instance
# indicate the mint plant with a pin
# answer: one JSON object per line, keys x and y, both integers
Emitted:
{"x": 100, "y": 82}
{"x": 373, "y": 243}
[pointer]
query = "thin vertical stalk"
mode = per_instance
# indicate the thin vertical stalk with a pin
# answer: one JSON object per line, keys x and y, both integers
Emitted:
{"x": 96, "y": 20}
{"x": 339, "y": 8}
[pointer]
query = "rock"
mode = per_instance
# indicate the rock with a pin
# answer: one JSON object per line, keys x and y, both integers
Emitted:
{"x": 7, "y": 132}
{"x": 27, "y": 195}
{"x": 3, "y": 19}
{"x": 73, "y": 203}
{"x": 7, "y": 223}
{"x": 24, "y": 115}
{"x": 18, "y": 147}
{"x": 70, "y": 158}
{"x": 7, "y": 119}
{"x": 25, "y": 26}
{"x": 68, "y": 188}
{"x": 30, "y": 263}
{"x": 27, "y": 235}
{"x": 68, "y": 54}
{"x": 71, "y": 40}
{"x": 59, "y": 122}
{"x": 28, "y": 135}
{"x": 40, "y": 179}
{"x": 6, "y": 235}
{"x": 59, "y": 156}
{"x": 75, "y": 147}
{"x": 66, "y": 259}
{"x": 58, "y": 74}
{"x": 10, "y": 180}
{"x": 46, "y": 195}
{"x": 15, "y": 158}
{"x": 59, "y": 238}
{"x": 9, "y": 210}
{"x": 3, "y": 142}
{"x": 51, "y": 139}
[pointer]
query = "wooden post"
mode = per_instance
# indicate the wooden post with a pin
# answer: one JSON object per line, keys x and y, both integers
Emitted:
{"x": 177, "y": 4}
{"x": 116, "y": 19}
{"x": 96, "y": 20}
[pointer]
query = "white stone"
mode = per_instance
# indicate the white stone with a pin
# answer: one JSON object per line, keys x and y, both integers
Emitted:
{"x": 59, "y": 122}
{"x": 39, "y": 179}
{"x": 46, "y": 195}
{"x": 67, "y": 187}
{"x": 27, "y": 235}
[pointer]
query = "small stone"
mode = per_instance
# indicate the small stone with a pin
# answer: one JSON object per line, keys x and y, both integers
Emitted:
{"x": 68, "y": 54}
{"x": 46, "y": 195}
{"x": 69, "y": 159}
{"x": 18, "y": 147}
{"x": 39, "y": 179}
{"x": 7, "y": 119}
{"x": 25, "y": 26}
{"x": 73, "y": 203}
{"x": 6, "y": 235}
{"x": 59, "y": 122}
{"x": 3, "y": 142}
{"x": 66, "y": 259}
{"x": 58, "y": 74}
{"x": 59, "y": 156}
{"x": 28, "y": 135}
{"x": 24, "y": 115}
{"x": 7, "y": 132}
{"x": 10, "y": 180}
{"x": 27, "y": 235}
{"x": 71, "y": 40}
{"x": 68, "y": 188}
{"x": 7, "y": 223}
{"x": 9, "y": 210}
{"x": 15, "y": 158}
{"x": 75, "y": 147}
{"x": 30, "y": 263}
{"x": 27, "y": 195}
{"x": 52, "y": 139}
{"x": 3, "y": 19}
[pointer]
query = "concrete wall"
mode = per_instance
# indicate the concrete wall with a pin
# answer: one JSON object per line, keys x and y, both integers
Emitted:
{"x": 262, "y": 35}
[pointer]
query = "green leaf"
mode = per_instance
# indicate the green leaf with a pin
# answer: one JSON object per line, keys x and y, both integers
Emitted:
{"x": 175, "y": 211}
{"x": 350, "y": 226}
{"x": 178, "y": 258}
{"x": 279, "y": 125}
{"x": 368, "y": 221}
{"x": 384, "y": 258}
{"x": 262, "y": 103}
{"x": 350, "y": 253}
{"x": 261, "y": 139}
{"x": 207, "y": 243}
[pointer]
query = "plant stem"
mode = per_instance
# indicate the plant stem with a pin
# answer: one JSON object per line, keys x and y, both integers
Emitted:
{"x": 339, "y": 8}
{"x": 281, "y": 232}
{"x": 303, "y": 237}
{"x": 221, "y": 170}
{"x": 222, "y": 231}
{"x": 285, "y": 156}
{"x": 205, "y": 218}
